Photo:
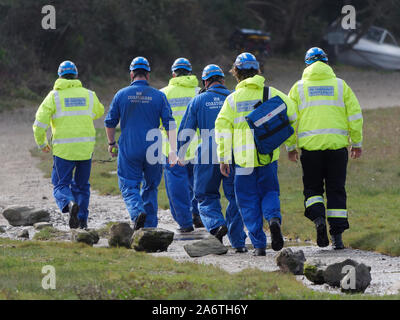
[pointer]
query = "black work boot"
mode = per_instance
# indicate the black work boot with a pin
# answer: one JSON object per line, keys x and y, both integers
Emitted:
{"x": 197, "y": 221}
{"x": 337, "y": 242}
{"x": 276, "y": 234}
{"x": 83, "y": 224}
{"x": 185, "y": 230}
{"x": 73, "y": 210}
{"x": 139, "y": 222}
{"x": 259, "y": 252}
{"x": 219, "y": 232}
{"x": 322, "y": 235}
{"x": 241, "y": 250}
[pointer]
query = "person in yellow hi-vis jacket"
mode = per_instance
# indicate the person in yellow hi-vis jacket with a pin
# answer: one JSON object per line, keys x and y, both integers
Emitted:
{"x": 182, "y": 87}
{"x": 69, "y": 109}
{"x": 329, "y": 120}
{"x": 256, "y": 179}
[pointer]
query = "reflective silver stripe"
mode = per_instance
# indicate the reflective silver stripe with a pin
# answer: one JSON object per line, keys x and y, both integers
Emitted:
{"x": 313, "y": 200}
{"x": 178, "y": 112}
{"x": 268, "y": 117}
{"x": 291, "y": 148}
{"x": 231, "y": 101}
{"x": 322, "y": 131}
{"x": 244, "y": 148}
{"x": 336, "y": 213}
{"x": 74, "y": 140}
{"x": 224, "y": 159}
{"x": 293, "y": 117}
{"x": 179, "y": 102}
{"x": 42, "y": 146}
{"x": 40, "y": 124}
{"x": 59, "y": 113}
{"x": 223, "y": 135}
{"x": 355, "y": 117}
{"x": 338, "y": 103}
{"x": 239, "y": 119}
{"x": 357, "y": 145}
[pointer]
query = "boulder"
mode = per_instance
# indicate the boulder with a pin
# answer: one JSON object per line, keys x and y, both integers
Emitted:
{"x": 289, "y": 261}
{"x": 23, "y": 234}
{"x": 89, "y": 237}
{"x": 25, "y": 216}
{"x": 314, "y": 273}
{"x": 152, "y": 239}
{"x": 41, "y": 225}
{"x": 2, "y": 229}
{"x": 120, "y": 235}
{"x": 334, "y": 274}
{"x": 210, "y": 245}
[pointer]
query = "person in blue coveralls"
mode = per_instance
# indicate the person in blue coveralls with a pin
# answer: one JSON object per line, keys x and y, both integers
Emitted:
{"x": 201, "y": 114}
{"x": 138, "y": 108}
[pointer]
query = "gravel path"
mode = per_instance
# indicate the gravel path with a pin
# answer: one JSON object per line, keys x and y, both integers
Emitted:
{"x": 23, "y": 184}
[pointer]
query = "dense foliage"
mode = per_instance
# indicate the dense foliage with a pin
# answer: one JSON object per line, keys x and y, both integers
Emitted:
{"x": 102, "y": 36}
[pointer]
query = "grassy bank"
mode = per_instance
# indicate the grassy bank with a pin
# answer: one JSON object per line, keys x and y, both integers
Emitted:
{"x": 373, "y": 186}
{"x": 84, "y": 272}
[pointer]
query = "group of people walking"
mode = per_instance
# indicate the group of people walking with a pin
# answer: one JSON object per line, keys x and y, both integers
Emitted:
{"x": 201, "y": 139}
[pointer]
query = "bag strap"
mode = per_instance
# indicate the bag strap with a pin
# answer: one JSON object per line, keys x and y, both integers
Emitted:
{"x": 265, "y": 94}
{"x": 265, "y": 98}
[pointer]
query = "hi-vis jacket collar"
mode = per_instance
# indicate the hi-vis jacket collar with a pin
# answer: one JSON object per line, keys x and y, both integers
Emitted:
{"x": 184, "y": 81}
{"x": 318, "y": 71}
{"x": 62, "y": 84}
{"x": 256, "y": 82}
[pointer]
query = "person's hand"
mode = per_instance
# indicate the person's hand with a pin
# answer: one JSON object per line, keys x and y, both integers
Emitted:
{"x": 172, "y": 159}
{"x": 46, "y": 149}
{"x": 182, "y": 162}
{"x": 225, "y": 169}
{"x": 355, "y": 153}
{"x": 293, "y": 155}
{"x": 113, "y": 150}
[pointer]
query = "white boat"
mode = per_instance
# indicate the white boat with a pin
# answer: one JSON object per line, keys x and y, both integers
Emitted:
{"x": 377, "y": 48}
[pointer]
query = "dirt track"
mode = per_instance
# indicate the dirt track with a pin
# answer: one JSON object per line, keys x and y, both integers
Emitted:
{"x": 23, "y": 184}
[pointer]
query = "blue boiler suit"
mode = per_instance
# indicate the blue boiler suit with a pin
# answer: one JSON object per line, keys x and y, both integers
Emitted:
{"x": 139, "y": 109}
{"x": 201, "y": 113}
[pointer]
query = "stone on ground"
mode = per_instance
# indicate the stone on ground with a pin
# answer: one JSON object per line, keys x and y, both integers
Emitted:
{"x": 152, "y": 239}
{"x": 25, "y": 216}
{"x": 210, "y": 245}
{"x": 289, "y": 261}
{"x": 89, "y": 237}
{"x": 41, "y": 225}
{"x": 120, "y": 235}
{"x": 314, "y": 273}
{"x": 23, "y": 234}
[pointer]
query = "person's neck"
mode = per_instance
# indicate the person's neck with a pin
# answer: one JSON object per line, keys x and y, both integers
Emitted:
{"x": 139, "y": 78}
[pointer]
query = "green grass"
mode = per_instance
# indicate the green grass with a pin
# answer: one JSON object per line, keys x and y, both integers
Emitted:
{"x": 83, "y": 272}
{"x": 373, "y": 186}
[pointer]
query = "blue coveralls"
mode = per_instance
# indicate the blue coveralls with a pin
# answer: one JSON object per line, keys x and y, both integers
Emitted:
{"x": 201, "y": 113}
{"x": 257, "y": 194}
{"x": 139, "y": 109}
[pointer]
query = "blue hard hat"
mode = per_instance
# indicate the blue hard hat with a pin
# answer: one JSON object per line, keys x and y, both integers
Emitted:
{"x": 67, "y": 67}
{"x": 315, "y": 54}
{"x": 246, "y": 60}
{"x": 181, "y": 63}
{"x": 212, "y": 70}
{"x": 139, "y": 63}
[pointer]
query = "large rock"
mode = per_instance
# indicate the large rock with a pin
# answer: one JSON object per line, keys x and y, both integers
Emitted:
{"x": 289, "y": 261}
{"x": 152, "y": 239}
{"x": 120, "y": 235}
{"x": 334, "y": 274}
{"x": 210, "y": 245}
{"x": 25, "y": 216}
{"x": 314, "y": 273}
{"x": 89, "y": 237}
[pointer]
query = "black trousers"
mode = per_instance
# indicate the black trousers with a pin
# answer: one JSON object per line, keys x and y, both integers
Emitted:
{"x": 326, "y": 168}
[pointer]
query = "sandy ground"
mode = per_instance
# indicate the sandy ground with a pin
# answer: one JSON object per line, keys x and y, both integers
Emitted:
{"x": 23, "y": 184}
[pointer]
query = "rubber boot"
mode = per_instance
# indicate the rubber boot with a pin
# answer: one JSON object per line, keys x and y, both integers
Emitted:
{"x": 322, "y": 235}
{"x": 73, "y": 210}
{"x": 276, "y": 234}
{"x": 337, "y": 242}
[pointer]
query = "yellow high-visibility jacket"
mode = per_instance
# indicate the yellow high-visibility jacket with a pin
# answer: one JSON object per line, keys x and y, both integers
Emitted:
{"x": 328, "y": 111}
{"x": 69, "y": 109}
{"x": 179, "y": 92}
{"x": 232, "y": 131}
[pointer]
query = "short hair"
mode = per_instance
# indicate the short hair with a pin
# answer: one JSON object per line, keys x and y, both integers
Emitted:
{"x": 215, "y": 79}
{"x": 242, "y": 74}
{"x": 181, "y": 72}
{"x": 69, "y": 76}
{"x": 139, "y": 72}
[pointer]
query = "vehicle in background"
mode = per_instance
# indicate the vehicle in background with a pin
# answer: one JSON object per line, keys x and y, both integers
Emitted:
{"x": 256, "y": 42}
{"x": 377, "y": 48}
